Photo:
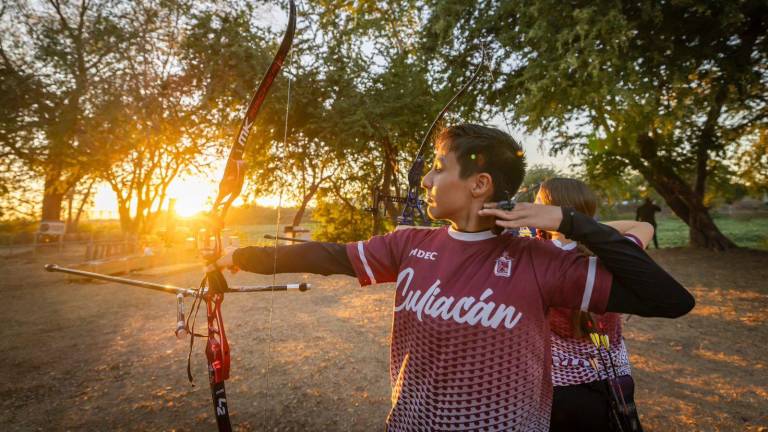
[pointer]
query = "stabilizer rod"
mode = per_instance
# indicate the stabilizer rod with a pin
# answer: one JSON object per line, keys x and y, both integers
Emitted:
{"x": 170, "y": 289}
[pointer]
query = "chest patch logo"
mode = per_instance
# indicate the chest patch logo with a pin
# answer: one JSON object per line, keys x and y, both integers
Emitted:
{"x": 503, "y": 266}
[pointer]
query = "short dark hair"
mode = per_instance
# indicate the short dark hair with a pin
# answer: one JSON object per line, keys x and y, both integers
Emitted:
{"x": 484, "y": 149}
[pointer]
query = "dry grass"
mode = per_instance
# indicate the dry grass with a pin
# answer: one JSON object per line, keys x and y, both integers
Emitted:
{"x": 92, "y": 356}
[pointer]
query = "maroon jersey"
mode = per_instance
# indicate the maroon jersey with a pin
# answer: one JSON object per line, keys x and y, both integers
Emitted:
{"x": 470, "y": 338}
{"x": 570, "y": 355}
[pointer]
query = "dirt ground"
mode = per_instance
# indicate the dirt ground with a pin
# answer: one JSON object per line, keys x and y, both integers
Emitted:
{"x": 100, "y": 356}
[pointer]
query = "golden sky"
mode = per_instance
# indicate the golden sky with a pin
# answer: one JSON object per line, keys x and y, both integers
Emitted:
{"x": 194, "y": 194}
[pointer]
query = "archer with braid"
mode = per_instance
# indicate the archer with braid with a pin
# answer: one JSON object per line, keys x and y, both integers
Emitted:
{"x": 470, "y": 343}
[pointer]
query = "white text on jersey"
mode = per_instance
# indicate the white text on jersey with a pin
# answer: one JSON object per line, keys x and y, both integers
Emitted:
{"x": 464, "y": 310}
{"x": 418, "y": 253}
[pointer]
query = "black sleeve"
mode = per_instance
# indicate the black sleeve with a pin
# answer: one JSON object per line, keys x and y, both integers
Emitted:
{"x": 640, "y": 286}
{"x": 312, "y": 257}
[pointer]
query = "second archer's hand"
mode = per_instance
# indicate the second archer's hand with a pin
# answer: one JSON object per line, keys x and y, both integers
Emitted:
{"x": 544, "y": 217}
{"x": 226, "y": 261}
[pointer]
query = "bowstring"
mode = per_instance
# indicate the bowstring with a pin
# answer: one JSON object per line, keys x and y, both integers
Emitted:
{"x": 498, "y": 95}
{"x": 276, "y": 244}
{"x": 503, "y": 113}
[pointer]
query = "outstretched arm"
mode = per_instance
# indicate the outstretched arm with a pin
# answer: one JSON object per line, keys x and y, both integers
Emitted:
{"x": 639, "y": 285}
{"x": 312, "y": 257}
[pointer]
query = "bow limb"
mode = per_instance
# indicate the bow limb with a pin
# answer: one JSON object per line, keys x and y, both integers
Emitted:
{"x": 413, "y": 205}
{"x": 234, "y": 173}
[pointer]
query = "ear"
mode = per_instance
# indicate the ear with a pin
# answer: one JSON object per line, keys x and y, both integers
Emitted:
{"x": 482, "y": 187}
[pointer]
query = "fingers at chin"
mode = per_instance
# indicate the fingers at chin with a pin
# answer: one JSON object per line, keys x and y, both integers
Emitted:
{"x": 493, "y": 212}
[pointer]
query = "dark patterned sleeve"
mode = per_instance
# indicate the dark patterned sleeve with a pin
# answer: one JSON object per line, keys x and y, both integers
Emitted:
{"x": 640, "y": 286}
{"x": 312, "y": 257}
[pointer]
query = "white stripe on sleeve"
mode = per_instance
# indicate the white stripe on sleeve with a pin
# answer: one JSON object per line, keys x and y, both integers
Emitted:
{"x": 591, "y": 270}
{"x": 634, "y": 239}
{"x": 367, "y": 268}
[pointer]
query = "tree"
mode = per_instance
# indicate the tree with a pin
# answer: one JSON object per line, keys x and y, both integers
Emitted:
{"x": 56, "y": 56}
{"x": 666, "y": 89}
{"x": 362, "y": 97}
{"x": 151, "y": 129}
{"x": 390, "y": 93}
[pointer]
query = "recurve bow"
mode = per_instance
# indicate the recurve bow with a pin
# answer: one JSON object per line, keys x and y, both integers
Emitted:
{"x": 413, "y": 206}
{"x": 214, "y": 285}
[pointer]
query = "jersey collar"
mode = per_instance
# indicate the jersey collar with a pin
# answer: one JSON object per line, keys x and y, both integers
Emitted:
{"x": 470, "y": 236}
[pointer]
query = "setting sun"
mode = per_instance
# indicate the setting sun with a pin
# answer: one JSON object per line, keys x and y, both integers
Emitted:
{"x": 192, "y": 194}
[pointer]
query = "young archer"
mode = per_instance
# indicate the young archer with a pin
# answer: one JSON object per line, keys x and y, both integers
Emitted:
{"x": 470, "y": 338}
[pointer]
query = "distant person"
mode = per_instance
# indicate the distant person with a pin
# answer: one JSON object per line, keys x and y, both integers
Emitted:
{"x": 647, "y": 213}
{"x": 583, "y": 400}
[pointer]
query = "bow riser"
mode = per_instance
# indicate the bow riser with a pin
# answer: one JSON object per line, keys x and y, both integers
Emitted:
{"x": 413, "y": 205}
{"x": 217, "y": 348}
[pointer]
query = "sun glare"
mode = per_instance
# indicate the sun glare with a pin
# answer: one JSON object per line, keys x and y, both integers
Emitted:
{"x": 104, "y": 203}
{"x": 272, "y": 201}
{"x": 192, "y": 194}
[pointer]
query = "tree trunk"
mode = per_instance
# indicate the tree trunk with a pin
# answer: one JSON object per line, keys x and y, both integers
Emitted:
{"x": 126, "y": 223}
{"x": 70, "y": 201}
{"x": 681, "y": 198}
{"x": 53, "y": 196}
{"x": 304, "y": 203}
{"x": 375, "y": 210}
{"x": 702, "y": 231}
{"x": 83, "y": 202}
{"x": 390, "y": 167}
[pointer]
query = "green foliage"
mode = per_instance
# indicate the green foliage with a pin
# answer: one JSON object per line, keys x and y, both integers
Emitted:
{"x": 664, "y": 89}
{"x": 361, "y": 96}
{"x": 753, "y": 162}
{"x": 534, "y": 176}
{"x": 340, "y": 223}
{"x": 165, "y": 82}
